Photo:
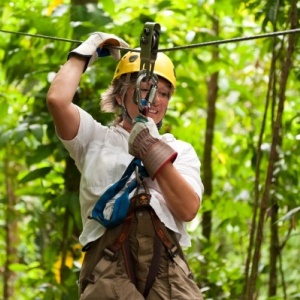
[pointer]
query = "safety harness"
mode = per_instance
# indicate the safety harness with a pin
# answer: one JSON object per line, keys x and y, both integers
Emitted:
{"x": 121, "y": 204}
{"x": 124, "y": 209}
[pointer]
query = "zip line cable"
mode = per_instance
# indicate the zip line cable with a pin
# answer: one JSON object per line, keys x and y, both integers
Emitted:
{"x": 210, "y": 43}
{"x": 233, "y": 40}
{"x": 42, "y": 36}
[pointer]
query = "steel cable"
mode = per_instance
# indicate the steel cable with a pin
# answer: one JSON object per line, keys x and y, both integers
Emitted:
{"x": 198, "y": 45}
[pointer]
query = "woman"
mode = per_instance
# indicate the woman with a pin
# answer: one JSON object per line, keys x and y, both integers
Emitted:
{"x": 133, "y": 237}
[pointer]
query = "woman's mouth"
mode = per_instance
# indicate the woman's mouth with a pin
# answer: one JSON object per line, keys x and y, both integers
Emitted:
{"x": 153, "y": 111}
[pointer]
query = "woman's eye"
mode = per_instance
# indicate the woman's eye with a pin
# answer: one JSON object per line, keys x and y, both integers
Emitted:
{"x": 163, "y": 94}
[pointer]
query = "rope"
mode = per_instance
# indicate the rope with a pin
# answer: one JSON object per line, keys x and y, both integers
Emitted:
{"x": 211, "y": 43}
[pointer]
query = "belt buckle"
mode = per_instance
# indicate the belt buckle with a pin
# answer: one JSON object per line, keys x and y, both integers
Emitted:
{"x": 142, "y": 199}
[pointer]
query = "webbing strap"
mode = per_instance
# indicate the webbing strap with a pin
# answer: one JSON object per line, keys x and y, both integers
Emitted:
{"x": 128, "y": 261}
{"x": 122, "y": 236}
{"x": 122, "y": 203}
{"x": 111, "y": 253}
{"x": 172, "y": 249}
{"x": 153, "y": 269}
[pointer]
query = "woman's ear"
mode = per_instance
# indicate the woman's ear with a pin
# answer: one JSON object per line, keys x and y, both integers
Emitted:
{"x": 119, "y": 100}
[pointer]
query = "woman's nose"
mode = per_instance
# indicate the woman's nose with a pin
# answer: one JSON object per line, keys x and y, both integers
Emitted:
{"x": 156, "y": 99}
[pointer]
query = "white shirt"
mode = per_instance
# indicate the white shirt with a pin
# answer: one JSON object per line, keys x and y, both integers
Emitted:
{"x": 101, "y": 155}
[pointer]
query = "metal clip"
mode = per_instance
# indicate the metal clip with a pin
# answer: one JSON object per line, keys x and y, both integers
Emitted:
{"x": 140, "y": 182}
{"x": 149, "y": 47}
{"x": 138, "y": 176}
{"x": 145, "y": 103}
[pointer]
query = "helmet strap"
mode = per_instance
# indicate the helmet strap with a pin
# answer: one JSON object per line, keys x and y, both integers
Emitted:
{"x": 125, "y": 114}
{"x": 159, "y": 124}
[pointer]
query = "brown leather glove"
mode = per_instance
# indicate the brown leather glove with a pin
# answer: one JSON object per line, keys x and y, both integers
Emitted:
{"x": 145, "y": 144}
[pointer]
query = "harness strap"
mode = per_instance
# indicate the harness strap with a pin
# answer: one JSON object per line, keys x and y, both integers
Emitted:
{"x": 153, "y": 270}
{"x": 121, "y": 242}
{"x": 172, "y": 249}
{"x": 121, "y": 204}
{"x": 128, "y": 260}
{"x": 112, "y": 251}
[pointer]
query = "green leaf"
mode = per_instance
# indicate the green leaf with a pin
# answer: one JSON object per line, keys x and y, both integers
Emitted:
{"x": 18, "y": 267}
{"x": 108, "y": 5}
{"x": 3, "y": 110}
{"x": 41, "y": 153}
{"x": 20, "y": 132}
{"x": 5, "y": 136}
{"x": 289, "y": 214}
{"x": 38, "y": 173}
{"x": 37, "y": 131}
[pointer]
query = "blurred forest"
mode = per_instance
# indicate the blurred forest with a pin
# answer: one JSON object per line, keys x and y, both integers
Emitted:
{"x": 236, "y": 102}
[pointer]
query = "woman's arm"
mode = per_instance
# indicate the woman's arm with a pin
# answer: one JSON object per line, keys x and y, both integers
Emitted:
{"x": 158, "y": 157}
{"x": 60, "y": 95}
{"x": 179, "y": 195}
{"x": 64, "y": 85}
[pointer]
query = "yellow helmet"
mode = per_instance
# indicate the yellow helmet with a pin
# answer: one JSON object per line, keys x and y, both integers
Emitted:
{"x": 130, "y": 63}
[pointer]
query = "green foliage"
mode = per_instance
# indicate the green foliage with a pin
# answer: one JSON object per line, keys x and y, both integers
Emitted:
{"x": 45, "y": 211}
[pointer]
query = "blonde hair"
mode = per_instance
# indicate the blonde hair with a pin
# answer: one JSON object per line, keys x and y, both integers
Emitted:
{"x": 117, "y": 88}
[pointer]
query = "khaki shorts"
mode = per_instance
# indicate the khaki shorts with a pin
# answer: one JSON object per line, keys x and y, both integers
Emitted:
{"x": 107, "y": 280}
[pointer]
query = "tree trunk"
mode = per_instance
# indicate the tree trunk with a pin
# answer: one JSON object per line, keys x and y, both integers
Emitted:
{"x": 11, "y": 229}
{"x": 274, "y": 244}
{"x": 207, "y": 178}
{"x": 212, "y": 88}
{"x": 274, "y": 249}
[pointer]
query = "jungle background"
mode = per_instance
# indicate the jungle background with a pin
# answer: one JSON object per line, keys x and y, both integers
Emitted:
{"x": 236, "y": 102}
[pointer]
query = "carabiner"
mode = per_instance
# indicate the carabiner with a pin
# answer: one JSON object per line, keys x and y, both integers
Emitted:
{"x": 144, "y": 103}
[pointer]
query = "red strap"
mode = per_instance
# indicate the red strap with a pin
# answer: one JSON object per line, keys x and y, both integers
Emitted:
{"x": 157, "y": 226}
{"x": 122, "y": 237}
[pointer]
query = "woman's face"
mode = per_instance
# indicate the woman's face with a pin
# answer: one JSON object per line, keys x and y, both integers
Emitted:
{"x": 159, "y": 105}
